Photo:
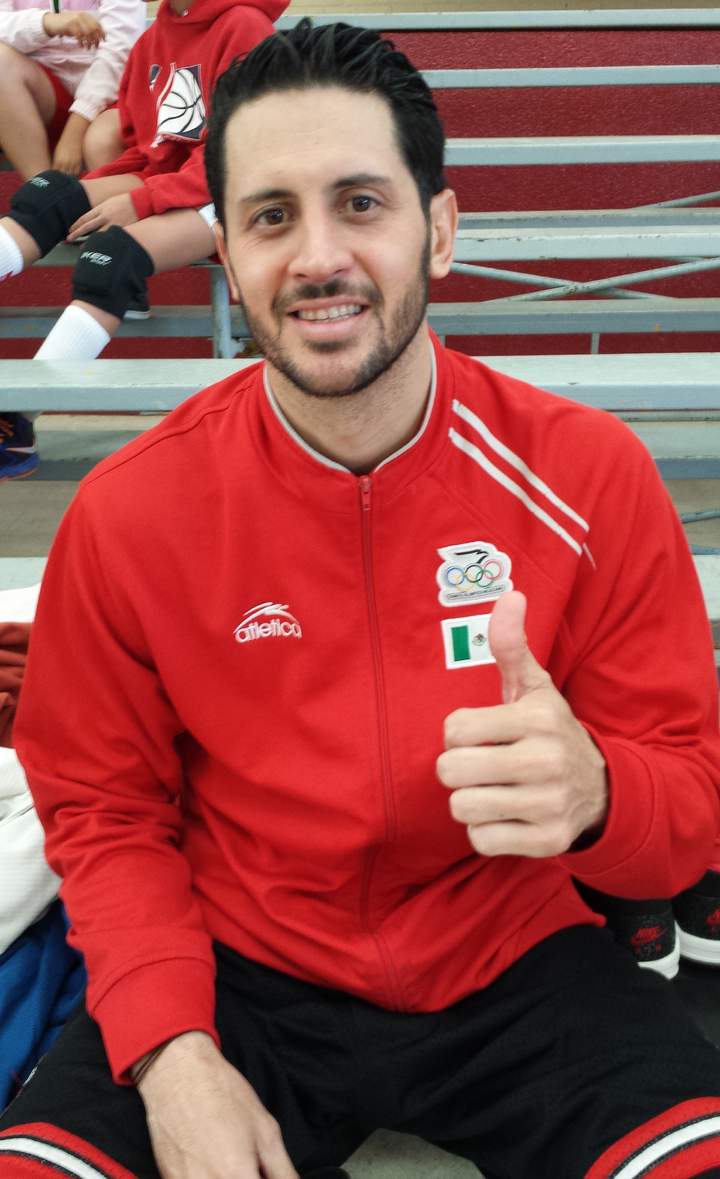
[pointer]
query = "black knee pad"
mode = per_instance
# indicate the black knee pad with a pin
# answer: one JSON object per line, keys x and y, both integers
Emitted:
{"x": 111, "y": 270}
{"x": 48, "y": 205}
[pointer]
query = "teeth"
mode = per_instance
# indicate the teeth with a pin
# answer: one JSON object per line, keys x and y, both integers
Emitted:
{"x": 341, "y": 312}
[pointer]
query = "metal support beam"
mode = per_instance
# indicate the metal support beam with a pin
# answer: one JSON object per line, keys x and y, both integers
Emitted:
{"x": 669, "y": 75}
{"x": 611, "y": 18}
{"x": 583, "y": 149}
{"x": 223, "y": 342}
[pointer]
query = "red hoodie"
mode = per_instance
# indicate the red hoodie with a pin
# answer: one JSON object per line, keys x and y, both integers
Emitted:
{"x": 165, "y": 96}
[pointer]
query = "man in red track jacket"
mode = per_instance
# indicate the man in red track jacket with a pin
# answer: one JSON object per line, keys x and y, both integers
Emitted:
{"x": 316, "y": 799}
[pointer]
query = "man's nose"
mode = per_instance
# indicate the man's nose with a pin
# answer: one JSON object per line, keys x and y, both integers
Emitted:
{"x": 321, "y": 250}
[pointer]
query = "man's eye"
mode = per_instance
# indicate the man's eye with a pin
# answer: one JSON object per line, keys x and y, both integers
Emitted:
{"x": 362, "y": 204}
{"x": 271, "y": 217}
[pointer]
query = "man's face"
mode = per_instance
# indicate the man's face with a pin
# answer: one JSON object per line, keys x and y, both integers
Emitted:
{"x": 326, "y": 243}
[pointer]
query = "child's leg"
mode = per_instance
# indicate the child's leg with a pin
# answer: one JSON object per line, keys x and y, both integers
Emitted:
{"x": 113, "y": 266}
{"x": 43, "y": 210}
{"x": 27, "y": 106}
{"x": 103, "y": 141}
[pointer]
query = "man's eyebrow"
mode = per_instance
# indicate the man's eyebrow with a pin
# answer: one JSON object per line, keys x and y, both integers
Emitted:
{"x": 361, "y": 180}
{"x": 357, "y": 180}
{"x": 265, "y": 194}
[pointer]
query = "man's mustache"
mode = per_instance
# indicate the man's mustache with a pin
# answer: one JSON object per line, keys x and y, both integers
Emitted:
{"x": 327, "y": 290}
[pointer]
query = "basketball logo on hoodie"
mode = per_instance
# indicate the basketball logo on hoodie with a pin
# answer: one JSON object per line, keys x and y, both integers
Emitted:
{"x": 180, "y": 106}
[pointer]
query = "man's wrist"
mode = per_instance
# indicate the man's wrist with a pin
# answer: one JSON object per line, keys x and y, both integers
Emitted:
{"x": 186, "y": 1044}
{"x": 141, "y": 1066}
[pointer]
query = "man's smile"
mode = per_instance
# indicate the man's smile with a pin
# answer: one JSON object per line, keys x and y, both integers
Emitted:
{"x": 344, "y": 311}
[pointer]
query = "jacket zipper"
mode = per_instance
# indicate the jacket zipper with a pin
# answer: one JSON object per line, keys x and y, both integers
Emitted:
{"x": 383, "y": 743}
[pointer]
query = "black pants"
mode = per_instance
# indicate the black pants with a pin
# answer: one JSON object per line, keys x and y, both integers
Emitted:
{"x": 571, "y": 1050}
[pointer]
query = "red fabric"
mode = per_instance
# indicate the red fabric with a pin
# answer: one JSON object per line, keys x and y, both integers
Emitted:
{"x": 63, "y": 102}
{"x": 23, "y": 1166}
{"x": 14, "y": 637}
{"x": 166, "y": 152}
{"x": 681, "y": 1155}
{"x": 280, "y": 793}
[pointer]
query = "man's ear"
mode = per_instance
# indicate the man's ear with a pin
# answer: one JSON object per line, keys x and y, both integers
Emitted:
{"x": 221, "y": 247}
{"x": 443, "y": 226}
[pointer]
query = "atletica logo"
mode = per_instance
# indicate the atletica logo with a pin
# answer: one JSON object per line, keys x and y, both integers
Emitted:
{"x": 280, "y": 624}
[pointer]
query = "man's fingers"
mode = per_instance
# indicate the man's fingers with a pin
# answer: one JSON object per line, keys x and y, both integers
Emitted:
{"x": 520, "y": 839}
{"x": 484, "y": 765}
{"x": 519, "y": 670}
{"x": 481, "y": 726}
{"x": 273, "y": 1157}
{"x": 479, "y": 805}
{"x": 534, "y": 759}
{"x": 499, "y": 724}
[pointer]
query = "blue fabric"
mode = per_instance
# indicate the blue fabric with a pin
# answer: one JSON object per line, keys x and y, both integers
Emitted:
{"x": 41, "y": 980}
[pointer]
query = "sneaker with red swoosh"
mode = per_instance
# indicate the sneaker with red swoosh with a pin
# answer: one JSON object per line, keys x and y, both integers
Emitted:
{"x": 646, "y": 928}
{"x": 697, "y": 912}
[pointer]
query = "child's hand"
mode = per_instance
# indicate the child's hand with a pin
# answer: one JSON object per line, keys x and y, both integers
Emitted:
{"x": 68, "y": 154}
{"x": 116, "y": 210}
{"x": 86, "y": 29}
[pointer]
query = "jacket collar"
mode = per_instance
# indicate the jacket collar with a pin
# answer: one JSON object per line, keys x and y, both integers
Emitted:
{"x": 312, "y": 475}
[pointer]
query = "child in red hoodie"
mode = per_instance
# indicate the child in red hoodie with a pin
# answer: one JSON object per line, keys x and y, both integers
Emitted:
{"x": 149, "y": 210}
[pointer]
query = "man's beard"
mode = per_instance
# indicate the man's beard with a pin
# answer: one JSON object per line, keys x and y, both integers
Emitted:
{"x": 390, "y": 346}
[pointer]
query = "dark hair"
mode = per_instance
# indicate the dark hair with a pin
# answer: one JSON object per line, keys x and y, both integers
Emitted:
{"x": 333, "y": 55}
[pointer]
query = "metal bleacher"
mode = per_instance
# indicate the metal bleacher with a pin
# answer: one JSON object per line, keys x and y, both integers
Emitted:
{"x": 681, "y": 237}
{"x": 665, "y": 397}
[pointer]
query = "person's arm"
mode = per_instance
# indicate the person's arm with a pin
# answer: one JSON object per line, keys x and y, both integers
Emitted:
{"x": 132, "y": 160}
{"x": 123, "y": 21}
{"x": 32, "y": 28}
{"x": 68, "y": 153}
{"x": 192, "y": 1095}
{"x": 639, "y": 672}
{"x": 23, "y": 30}
{"x": 97, "y": 737}
{"x": 607, "y": 749}
{"x": 185, "y": 189}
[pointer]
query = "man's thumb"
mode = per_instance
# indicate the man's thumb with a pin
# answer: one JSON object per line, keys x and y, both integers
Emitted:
{"x": 519, "y": 670}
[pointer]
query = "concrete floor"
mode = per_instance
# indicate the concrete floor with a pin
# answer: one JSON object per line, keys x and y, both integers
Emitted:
{"x": 30, "y": 511}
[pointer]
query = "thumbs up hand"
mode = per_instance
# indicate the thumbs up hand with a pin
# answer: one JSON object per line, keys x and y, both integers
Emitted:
{"x": 526, "y": 777}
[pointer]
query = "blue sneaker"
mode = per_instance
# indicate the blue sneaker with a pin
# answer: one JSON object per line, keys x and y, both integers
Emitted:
{"x": 18, "y": 453}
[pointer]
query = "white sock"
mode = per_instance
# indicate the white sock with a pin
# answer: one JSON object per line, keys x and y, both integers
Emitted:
{"x": 77, "y": 335}
{"x": 11, "y": 259}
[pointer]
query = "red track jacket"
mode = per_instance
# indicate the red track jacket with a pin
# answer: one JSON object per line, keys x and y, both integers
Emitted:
{"x": 240, "y": 668}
